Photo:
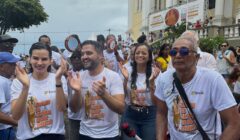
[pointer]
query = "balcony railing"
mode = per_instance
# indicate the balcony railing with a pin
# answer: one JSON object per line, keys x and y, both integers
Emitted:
{"x": 229, "y": 31}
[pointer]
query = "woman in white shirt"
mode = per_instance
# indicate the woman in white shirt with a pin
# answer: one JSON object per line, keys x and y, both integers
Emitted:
{"x": 139, "y": 89}
{"x": 39, "y": 98}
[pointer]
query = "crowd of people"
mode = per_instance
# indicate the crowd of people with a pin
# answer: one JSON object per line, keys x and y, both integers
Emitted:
{"x": 181, "y": 93}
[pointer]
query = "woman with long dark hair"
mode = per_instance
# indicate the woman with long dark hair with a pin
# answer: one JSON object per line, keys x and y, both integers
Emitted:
{"x": 39, "y": 98}
{"x": 139, "y": 89}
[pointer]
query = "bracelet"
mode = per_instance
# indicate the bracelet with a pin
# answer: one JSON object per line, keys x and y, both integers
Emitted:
{"x": 115, "y": 53}
{"x": 58, "y": 85}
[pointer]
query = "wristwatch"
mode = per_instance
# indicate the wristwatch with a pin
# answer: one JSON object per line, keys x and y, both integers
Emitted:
{"x": 58, "y": 85}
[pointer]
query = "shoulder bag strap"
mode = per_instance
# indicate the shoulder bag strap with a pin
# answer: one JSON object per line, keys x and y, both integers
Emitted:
{"x": 185, "y": 99}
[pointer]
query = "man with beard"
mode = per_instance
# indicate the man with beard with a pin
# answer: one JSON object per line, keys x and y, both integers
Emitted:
{"x": 209, "y": 97}
{"x": 99, "y": 92}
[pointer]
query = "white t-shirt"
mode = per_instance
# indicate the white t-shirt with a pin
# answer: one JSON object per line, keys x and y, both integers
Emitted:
{"x": 223, "y": 65}
{"x": 207, "y": 92}
{"x": 128, "y": 64}
{"x": 100, "y": 122}
{"x": 207, "y": 60}
{"x": 5, "y": 98}
{"x": 237, "y": 87}
{"x": 72, "y": 115}
{"x": 111, "y": 59}
{"x": 141, "y": 96}
{"x": 41, "y": 108}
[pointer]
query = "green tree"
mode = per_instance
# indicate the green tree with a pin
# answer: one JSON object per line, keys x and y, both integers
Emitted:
{"x": 176, "y": 31}
{"x": 20, "y": 14}
{"x": 210, "y": 44}
{"x": 173, "y": 33}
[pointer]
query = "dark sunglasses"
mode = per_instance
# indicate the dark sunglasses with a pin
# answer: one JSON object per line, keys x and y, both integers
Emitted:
{"x": 182, "y": 51}
{"x": 223, "y": 45}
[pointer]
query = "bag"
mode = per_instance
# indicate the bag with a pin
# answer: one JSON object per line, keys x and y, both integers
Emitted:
{"x": 185, "y": 99}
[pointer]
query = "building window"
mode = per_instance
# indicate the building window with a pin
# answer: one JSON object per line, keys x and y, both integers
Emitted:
{"x": 211, "y": 4}
{"x": 159, "y": 4}
{"x": 155, "y": 5}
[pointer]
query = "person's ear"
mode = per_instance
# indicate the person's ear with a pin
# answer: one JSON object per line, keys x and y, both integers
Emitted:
{"x": 101, "y": 58}
{"x": 197, "y": 55}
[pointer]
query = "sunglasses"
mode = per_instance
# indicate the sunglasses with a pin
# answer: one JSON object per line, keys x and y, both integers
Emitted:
{"x": 223, "y": 45}
{"x": 182, "y": 51}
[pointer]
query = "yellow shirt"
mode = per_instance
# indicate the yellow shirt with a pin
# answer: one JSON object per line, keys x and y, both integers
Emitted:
{"x": 163, "y": 62}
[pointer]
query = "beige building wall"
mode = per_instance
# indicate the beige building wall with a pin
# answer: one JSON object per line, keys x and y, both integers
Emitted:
{"x": 137, "y": 14}
{"x": 134, "y": 18}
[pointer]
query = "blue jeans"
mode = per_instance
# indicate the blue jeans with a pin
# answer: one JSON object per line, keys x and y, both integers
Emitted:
{"x": 143, "y": 122}
{"x": 74, "y": 126}
{"x": 83, "y": 137}
{"x": 7, "y": 134}
{"x": 49, "y": 137}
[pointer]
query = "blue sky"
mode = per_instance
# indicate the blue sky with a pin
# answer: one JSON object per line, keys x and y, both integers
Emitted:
{"x": 82, "y": 17}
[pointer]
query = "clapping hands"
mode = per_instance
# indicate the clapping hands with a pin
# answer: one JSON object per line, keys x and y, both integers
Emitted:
{"x": 75, "y": 81}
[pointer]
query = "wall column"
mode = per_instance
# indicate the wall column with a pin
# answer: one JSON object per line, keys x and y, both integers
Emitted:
{"x": 219, "y": 15}
{"x": 237, "y": 12}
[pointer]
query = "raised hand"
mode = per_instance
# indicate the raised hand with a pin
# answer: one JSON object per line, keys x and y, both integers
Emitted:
{"x": 75, "y": 82}
{"x": 100, "y": 86}
{"x": 22, "y": 76}
{"x": 155, "y": 73}
{"x": 123, "y": 70}
{"x": 159, "y": 65}
{"x": 62, "y": 69}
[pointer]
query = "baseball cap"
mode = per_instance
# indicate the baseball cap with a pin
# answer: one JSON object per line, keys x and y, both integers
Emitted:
{"x": 7, "y": 38}
{"x": 6, "y": 57}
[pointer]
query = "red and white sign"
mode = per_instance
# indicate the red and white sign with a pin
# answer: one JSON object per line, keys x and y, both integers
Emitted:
{"x": 169, "y": 17}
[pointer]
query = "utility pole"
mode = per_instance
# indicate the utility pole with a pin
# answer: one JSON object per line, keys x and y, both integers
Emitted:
{"x": 187, "y": 17}
{"x": 109, "y": 31}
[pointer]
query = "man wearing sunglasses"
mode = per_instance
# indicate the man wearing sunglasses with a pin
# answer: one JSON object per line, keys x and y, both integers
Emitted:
{"x": 7, "y": 43}
{"x": 225, "y": 60}
{"x": 208, "y": 94}
{"x": 206, "y": 59}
